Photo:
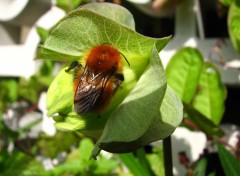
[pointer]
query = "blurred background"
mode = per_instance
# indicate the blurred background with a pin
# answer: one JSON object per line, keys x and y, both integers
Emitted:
{"x": 29, "y": 142}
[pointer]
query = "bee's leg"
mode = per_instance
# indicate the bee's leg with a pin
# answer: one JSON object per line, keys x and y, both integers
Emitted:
{"x": 72, "y": 66}
{"x": 120, "y": 78}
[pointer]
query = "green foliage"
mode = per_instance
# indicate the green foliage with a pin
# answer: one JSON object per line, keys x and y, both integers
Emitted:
{"x": 145, "y": 110}
{"x": 121, "y": 15}
{"x": 43, "y": 34}
{"x": 9, "y": 92}
{"x": 230, "y": 165}
{"x": 13, "y": 89}
{"x": 78, "y": 163}
{"x": 227, "y": 2}
{"x": 234, "y": 24}
{"x": 51, "y": 146}
{"x": 69, "y": 5}
{"x": 199, "y": 85}
{"x": 140, "y": 163}
{"x": 133, "y": 164}
{"x": 183, "y": 72}
{"x": 201, "y": 166}
{"x": 31, "y": 89}
{"x": 156, "y": 161}
{"x": 203, "y": 123}
{"x": 210, "y": 89}
{"x": 19, "y": 164}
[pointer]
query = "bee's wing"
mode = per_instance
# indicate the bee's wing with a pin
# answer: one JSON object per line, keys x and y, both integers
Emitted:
{"x": 89, "y": 90}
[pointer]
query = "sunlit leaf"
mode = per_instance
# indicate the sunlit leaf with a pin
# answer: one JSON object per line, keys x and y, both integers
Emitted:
{"x": 183, "y": 72}
{"x": 60, "y": 94}
{"x": 114, "y": 12}
{"x": 234, "y": 25}
{"x": 68, "y": 5}
{"x": 211, "y": 94}
{"x": 82, "y": 29}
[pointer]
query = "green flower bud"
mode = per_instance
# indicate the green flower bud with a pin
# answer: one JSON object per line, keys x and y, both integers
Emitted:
{"x": 144, "y": 110}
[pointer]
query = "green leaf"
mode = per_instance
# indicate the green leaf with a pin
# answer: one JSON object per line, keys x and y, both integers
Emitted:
{"x": 68, "y": 5}
{"x": 47, "y": 68}
{"x": 43, "y": 33}
{"x": 60, "y": 94}
{"x": 133, "y": 164}
{"x": 234, "y": 25}
{"x": 105, "y": 166}
{"x": 200, "y": 168}
{"x": 202, "y": 122}
{"x": 230, "y": 165}
{"x": 183, "y": 72}
{"x": 197, "y": 83}
{"x": 211, "y": 94}
{"x": 72, "y": 167}
{"x": 142, "y": 157}
{"x": 9, "y": 89}
{"x": 85, "y": 149}
{"x": 82, "y": 29}
{"x": 156, "y": 161}
{"x": 114, "y": 12}
{"x": 78, "y": 163}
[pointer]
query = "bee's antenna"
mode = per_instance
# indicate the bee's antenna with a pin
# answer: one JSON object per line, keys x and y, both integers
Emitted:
{"x": 125, "y": 59}
{"x": 72, "y": 66}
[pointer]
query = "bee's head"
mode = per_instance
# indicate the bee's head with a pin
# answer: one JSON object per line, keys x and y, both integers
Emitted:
{"x": 103, "y": 58}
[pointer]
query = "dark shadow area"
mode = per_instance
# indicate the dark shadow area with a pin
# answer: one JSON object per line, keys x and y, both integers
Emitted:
{"x": 150, "y": 26}
{"x": 214, "y": 17}
{"x": 232, "y": 106}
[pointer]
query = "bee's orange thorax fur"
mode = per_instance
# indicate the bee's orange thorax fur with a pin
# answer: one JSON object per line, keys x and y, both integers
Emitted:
{"x": 103, "y": 58}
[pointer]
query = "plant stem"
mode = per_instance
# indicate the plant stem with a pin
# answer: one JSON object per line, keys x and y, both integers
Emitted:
{"x": 167, "y": 155}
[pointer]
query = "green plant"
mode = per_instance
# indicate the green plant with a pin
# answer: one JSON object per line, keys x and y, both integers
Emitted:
{"x": 233, "y": 21}
{"x": 147, "y": 108}
{"x": 198, "y": 84}
{"x": 138, "y": 114}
